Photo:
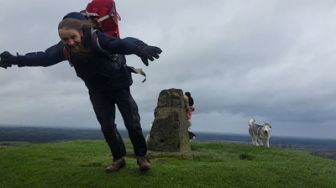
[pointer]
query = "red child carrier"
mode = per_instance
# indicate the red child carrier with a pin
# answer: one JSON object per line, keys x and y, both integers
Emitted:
{"x": 104, "y": 12}
{"x": 104, "y": 16}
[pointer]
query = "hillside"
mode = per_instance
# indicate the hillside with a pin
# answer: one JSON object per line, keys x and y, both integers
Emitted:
{"x": 81, "y": 164}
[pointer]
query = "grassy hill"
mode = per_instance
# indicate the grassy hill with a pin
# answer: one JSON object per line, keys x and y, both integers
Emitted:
{"x": 82, "y": 163}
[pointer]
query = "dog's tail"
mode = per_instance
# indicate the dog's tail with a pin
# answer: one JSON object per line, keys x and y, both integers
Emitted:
{"x": 251, "y": 122}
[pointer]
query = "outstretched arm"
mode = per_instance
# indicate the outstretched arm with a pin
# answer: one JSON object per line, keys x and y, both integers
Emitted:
{"x": 51, "y": 56}
{"x": 128, "y": 46}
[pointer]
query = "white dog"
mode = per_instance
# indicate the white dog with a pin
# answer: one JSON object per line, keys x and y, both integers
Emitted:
{"x": 260, "y": 133}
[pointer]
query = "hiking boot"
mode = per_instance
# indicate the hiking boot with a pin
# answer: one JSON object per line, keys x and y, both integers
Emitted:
{"x": 143, "y": 163}
{"x": 116, "y": 165}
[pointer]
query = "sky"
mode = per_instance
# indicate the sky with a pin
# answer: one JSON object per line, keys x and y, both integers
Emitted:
{"x": 271, "y": 60}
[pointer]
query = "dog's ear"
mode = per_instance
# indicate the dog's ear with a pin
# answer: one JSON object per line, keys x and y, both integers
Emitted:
{"x": 251, "y": 122}
{"x": 268, "y": 124}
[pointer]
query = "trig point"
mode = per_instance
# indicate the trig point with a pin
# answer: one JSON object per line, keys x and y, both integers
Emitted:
{"x": 169, "y": 132}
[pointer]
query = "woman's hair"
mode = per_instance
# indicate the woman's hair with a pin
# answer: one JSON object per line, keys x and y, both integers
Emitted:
{"x": 190, "y": 99}
{"x": 71, "y": 23}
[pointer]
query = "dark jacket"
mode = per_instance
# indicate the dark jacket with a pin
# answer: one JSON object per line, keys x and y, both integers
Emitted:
{"x": 97, "y": 70}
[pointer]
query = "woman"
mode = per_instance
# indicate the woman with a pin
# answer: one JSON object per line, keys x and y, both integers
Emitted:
{"x": 190, "y": 102}
{"x": 106, "y": 76}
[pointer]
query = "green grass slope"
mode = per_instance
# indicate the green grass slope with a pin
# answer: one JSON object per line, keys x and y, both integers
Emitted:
{"x": 82, "y": 163}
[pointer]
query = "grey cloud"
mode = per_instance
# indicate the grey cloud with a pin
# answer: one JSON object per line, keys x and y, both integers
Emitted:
{"x": 271, "y": 60}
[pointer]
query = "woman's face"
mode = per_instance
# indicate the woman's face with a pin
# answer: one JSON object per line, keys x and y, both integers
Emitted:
{"x": 71, "y": 38}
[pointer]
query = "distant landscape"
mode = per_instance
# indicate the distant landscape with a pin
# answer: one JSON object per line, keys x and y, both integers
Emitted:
{"x": 12, "y": 135}
{"x": 42, "y": 134}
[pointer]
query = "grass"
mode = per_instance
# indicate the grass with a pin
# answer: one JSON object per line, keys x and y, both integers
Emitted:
{"x": 82, "y": 163}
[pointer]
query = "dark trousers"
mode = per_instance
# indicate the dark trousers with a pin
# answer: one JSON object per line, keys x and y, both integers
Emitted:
{"x": 104, "y": 107}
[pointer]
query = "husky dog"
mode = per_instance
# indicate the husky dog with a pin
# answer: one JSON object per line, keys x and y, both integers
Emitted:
{"x": 260, "y": 133}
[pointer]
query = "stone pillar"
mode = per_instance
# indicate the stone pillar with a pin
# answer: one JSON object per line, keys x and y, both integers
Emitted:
{"x": 169, "y": 132}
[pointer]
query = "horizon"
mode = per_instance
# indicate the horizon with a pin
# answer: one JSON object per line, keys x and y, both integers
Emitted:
{"x": 148, "y": 130}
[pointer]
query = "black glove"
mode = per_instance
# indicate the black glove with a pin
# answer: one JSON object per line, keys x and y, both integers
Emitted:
{"x": 148, "y": 52}
{"x": 7, "y": 60}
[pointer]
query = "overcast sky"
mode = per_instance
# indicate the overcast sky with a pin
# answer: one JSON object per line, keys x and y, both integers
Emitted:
{"x": 273, "y": 60}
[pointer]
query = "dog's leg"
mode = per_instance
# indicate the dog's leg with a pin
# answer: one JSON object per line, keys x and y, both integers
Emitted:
{"x": 254, "y": 141}
{"x": 267, "y": 143}
{"x": 263, "y": 142}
